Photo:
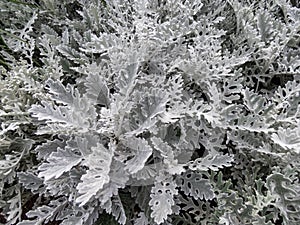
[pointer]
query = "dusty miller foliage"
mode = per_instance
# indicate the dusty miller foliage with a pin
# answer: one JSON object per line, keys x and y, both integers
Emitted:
{"x": 150, "y": 112}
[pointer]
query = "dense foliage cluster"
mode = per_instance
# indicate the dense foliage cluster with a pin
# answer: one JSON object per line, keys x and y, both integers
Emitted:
{"x": 172, "y": 112}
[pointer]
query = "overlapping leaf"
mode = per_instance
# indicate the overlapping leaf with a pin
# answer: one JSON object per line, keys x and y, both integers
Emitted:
{"x": 98, "y": 162}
